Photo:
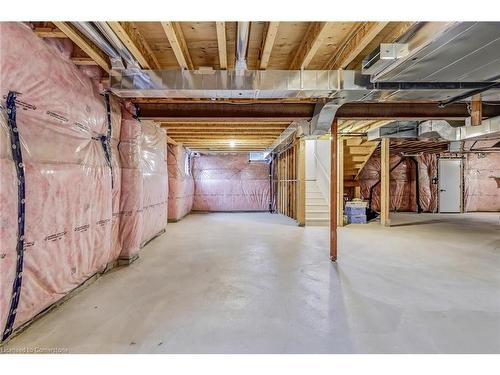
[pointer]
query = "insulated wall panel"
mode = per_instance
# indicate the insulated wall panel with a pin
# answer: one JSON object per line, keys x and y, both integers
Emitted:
{"x": 155, "y": 180}
{"x": 482, "y": 182}
{"x": 180, "y": 182}
{"x": 131, "y": 218}
{"x": 61, "y": 121}
{"x": 230, "y": 183}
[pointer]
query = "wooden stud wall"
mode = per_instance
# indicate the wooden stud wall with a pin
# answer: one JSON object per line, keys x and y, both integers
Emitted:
{"x": 290, "y": 180}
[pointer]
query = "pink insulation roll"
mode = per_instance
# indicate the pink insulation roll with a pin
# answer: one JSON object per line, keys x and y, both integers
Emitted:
{"x": 402, "y": 185}
{"x": 230, "y": 183}
{"x": 180, "y": 183}
{"x": 131, "y": 185}
{"x": 154, "y": 179}
{"x": 482, "y": 182}
{"x": 116, "y": 124}
{"x": 68, "y": 207}
{"x": 427, "y": 178}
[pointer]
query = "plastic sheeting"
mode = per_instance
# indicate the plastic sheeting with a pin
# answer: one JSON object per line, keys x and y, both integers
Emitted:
{"x": 155, "y": 180}
{"x": 180, "y": 182}
{"x": 482, "y": 182}
{"x": 131, "y": 219}
{"x": 230, "y": 183}
{"x": 68, "y": 222}
{"x": 402, "y": 184}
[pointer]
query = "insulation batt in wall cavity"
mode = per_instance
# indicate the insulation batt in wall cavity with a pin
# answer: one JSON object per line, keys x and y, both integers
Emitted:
{"x": 482, "y": 182}
{"x": 95, "y": 178}
{"x": 230, "y": 183}
{"x": 154, "y": 179}
{"x": 181, "y": 183}
{"x": 68, "y": 222}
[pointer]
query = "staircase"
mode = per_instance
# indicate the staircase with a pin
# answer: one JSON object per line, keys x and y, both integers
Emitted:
{"x": 317, "y": 210}
{"x": 357, "y": 151}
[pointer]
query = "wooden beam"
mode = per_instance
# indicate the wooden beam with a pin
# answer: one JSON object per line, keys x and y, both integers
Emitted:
{"x": 301, "y": 177}
{"x": 85, "y": 44}
{"x": 178, "y": 44}
{"x": 385, "y": 182}
{"x": 171, "y": 141}
{"x": 221, "y": 44}
{"x": 49, "y": 32}
{"x": 333, "y": 192}
{"x": 83, "y": 61}
{"x": 340, "y": 181}
{"x": 130, "y": 36}
{"x": 269, "y": 38}
{"x": 476, "y": 110}
{"x": 315, "y": 35}
{"x": 354, "y": 44}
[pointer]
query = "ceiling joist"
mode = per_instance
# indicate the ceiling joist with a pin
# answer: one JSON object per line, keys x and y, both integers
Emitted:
{"x": 221, "y": 44}
{"x": 315, "y": 35}
{"x": 269, "y": 38}
{"x": 85, "y": 44}
{"x": 354, "y": 44}
{"x": 178, "y": 44}
{"x": 132, "y": 39}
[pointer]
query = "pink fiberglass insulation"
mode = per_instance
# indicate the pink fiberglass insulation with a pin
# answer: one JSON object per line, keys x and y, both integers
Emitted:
{"x": 131, "y": 185}
{"x": 116, "y": 124}
{"x": 68, "y": 206}
{"x": 8, "y": 220}
{"x": 402, "y": 185}
{"x": 427, "y": 175}
{"x": 181, "y": 184}
{"x": 482, "y": 182}
{"x": 230, "y": 183}
{"x": 155, "y": 180}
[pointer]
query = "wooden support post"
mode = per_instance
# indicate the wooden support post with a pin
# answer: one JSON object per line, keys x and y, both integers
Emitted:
{"x": 340, "y": 181}
{"x": 357, "y": 192}
{"x": 301, "y": 178}
{"x": 333, "y": 192}
{"x": 476, "y": 112}
{"x": 385, "y": 182}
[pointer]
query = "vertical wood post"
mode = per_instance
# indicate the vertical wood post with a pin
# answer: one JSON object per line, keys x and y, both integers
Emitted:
{"x": 333, "y": 192}
{"x": 340, "y": 182}
{"x": 301, "y": 178}
{"x": 476, "y": 112}
{"x": 385, "y": 182}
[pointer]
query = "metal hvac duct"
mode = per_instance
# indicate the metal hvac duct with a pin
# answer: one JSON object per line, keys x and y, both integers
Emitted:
{"x": 440, "y": 52}
{"x": 488, "y": 129}
{"x": 91, "y": 32}
{"x": 242, "y": 45}
{"x": 439, "y": 130}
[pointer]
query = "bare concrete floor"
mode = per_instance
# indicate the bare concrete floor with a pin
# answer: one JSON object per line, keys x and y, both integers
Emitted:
{"x": 256, "y": 283}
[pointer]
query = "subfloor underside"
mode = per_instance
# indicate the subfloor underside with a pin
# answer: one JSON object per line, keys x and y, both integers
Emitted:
{"x": 257, "y": 283}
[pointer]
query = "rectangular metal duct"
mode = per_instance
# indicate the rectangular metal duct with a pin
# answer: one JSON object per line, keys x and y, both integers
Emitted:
{"x": 448, "y": 52}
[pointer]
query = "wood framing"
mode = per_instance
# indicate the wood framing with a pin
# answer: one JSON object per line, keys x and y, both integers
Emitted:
{"x": 290, "y": 200}
{"x": 83, "y": 61}
{"x": 178, "y": 44}
{"x": 354, "y": 44}
{"x": 49, "y": 32}
{"x": 313, "y": 39}
{"x": 385, "y": 182}
{"x": 301, "y": 176}
{"x": 132, "y": 39}
{"x": 476, "y": 110}
{"x": 221, "y": 44}
{"x": 333, "y": 192}
{"x": 268, "y": 43}
{"x": 340, "y": 181}
{"x": 85, "y": 44}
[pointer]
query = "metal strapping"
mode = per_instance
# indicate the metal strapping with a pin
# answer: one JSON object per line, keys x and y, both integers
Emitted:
{"x": 106, "y": 139}
{"x": 21, "y": 195}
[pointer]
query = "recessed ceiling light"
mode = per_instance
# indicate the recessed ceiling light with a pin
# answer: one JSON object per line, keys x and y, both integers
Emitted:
{"x": 232, "y": 143}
